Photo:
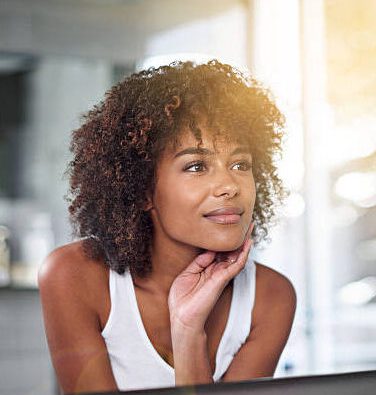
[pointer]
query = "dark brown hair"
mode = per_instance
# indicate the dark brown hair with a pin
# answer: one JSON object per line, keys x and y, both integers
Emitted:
{"x": 116, "y": 151}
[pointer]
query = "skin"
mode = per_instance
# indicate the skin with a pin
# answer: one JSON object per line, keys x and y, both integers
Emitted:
{"x": 183, "y": 193}
{"x": 74, "y": 290}
{"x": 185, "y": 245}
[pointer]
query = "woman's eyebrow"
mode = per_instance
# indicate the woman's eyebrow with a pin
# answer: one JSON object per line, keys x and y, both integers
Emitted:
{"x": 205, "y": 151}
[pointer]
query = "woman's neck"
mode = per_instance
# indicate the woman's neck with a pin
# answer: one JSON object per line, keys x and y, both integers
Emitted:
{"x": 169, "y": 258}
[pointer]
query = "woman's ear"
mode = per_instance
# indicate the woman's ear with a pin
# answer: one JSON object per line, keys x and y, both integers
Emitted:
{"x": 149, "y": 202}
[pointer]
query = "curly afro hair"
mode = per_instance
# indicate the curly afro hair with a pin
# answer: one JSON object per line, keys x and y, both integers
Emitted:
{"x": 116, "y": 151}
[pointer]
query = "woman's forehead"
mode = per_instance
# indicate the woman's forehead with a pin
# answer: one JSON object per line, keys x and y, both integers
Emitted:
{"x": 212, "y": 143}
{"x": 210, "y": 140}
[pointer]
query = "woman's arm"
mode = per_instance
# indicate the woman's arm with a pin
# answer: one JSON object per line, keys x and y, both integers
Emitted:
{"x": 272, "y": 318}
{"x": 77, "y": 349}
{"x": 191, "y": 358}
{"x": 192, "y": 296}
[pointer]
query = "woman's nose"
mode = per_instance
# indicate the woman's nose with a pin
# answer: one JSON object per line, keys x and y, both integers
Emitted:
{"x": 225, "y": 184}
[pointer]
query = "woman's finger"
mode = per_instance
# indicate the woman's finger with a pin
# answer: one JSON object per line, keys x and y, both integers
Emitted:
{"x": 234, "y": 267}
{"x": 200, "y": 263}
{"x": 233, "y": 256}
{"x": 249, "y": 231}
{"x": 242, "y": 258}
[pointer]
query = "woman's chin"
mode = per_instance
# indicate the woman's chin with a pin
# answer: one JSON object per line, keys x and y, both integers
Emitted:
{"x": 224, "y": 246}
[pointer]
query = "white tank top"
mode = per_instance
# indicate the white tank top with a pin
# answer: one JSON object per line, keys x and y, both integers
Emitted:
{"x": 135, "y": 362}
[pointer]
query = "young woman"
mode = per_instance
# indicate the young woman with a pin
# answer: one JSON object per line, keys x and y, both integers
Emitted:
{"x": 172, "y": 181}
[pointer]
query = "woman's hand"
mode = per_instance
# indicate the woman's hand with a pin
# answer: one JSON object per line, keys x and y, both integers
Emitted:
{"x": 196, "y": 289}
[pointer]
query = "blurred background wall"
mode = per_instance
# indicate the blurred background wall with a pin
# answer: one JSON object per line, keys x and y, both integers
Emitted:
{"x": 57, "y": 58}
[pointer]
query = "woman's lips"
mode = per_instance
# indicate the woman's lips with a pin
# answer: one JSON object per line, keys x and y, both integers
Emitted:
{"x": 224, "y": 219}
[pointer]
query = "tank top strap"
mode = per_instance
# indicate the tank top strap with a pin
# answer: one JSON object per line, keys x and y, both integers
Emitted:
{"x": 118, "y": 297}
{"x": 239, "y": 321}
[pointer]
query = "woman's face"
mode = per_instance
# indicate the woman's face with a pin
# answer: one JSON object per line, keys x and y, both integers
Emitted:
{"x": 190, "y": 184}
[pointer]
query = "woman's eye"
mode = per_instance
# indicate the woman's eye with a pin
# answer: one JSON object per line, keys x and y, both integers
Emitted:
{"x": 196, "y": 164}
{"x": 246, "y": 165}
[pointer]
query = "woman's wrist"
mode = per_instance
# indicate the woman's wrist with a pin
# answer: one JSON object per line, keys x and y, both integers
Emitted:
{"x": 181, "y": 329}
{"x": 181, "y": 335}
{"x": 191, "y": 358}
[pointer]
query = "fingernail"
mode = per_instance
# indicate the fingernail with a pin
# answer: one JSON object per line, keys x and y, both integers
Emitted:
{"x": 232, "y": 257}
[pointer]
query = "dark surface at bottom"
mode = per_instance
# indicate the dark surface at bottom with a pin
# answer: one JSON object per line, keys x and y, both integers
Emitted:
{"x": 355, "y": 383}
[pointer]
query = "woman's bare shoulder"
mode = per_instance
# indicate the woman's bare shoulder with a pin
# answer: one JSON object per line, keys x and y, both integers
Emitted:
{"x": 71, "y": 288}
{"x": 273, "y": 291}
{"x": 266, "y": 275}
{"x": 68, "y": 266}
